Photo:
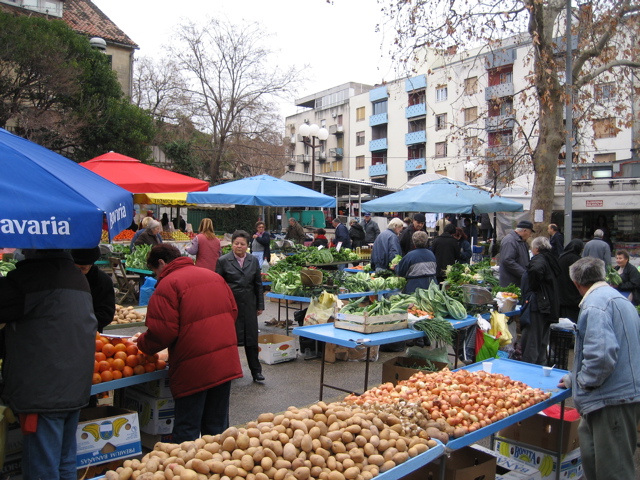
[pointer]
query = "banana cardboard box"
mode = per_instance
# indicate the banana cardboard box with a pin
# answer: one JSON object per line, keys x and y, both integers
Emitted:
{"x": 570, "y": 466}
{"x": 156, "y": 415}
{"x": 105, "y": 434}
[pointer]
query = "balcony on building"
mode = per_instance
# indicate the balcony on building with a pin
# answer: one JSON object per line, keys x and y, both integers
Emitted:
{"x": 499, "y": 91}
{"x": 499, "y": 152}
{"x": 336, "y": 129}
{"x": 414, "y": 164}
{"x": 500, "y": 58}
{"x": 336, "y": 152}
{"x": 304, "y": 158}
{"x": 417, "y": 110}
{"x": 378, "y": 145}
{"x": 322, "y": 156}
{"x": 378, "y": 119}
{"x": 378, "y": 94}
{"x": 378, "y": 170}
{"x": 415, "y": 83}
{"x": 413, "y": 138}
{"x": 499, "y": 122}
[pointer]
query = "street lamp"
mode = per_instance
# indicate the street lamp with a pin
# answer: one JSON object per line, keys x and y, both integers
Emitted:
{"x": 309, "y": 135}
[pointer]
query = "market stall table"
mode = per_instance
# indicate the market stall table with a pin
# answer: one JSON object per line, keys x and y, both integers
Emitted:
{"x": 533, "y": 376}
{"x": 326, "y": 332}
{"x": 341, "y": 296}
{"x": 129, "y": 381}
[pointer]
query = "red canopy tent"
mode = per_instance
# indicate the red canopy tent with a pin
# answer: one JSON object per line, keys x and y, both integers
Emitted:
{"x": 137, "y": 177}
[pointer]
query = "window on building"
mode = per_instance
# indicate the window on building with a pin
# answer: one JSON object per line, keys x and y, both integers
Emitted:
{"x": 441, "y": 149}
{"x": 605, "y": 92}
{"x": 442, "y": 172}
{"x": 441, "y": 93}
{"x": 378, "y": 157}
{"x": 604, "y": 157}
{"x": 380, "y": 107}
{"x": 506, "y": 77}
{"x": 360, "y": 162}
{"x": 418, "y": 125}
{"x": 441, "y": 121}
{"x": 359, "y": 114}
{"x": 340, "y": 142}
{"x": 605, "y": 128}
{"x": 417, "y": 98}
{"x": 359, "y": 138}
{"x": 339, "y": 119}
{"x": 471, "y": 145}
{"x": 416, "y": 151}
{"x": 325, "y": 168}
{"x": 470, "y": 114}
{"x": 336, "y": 166}
{"x": 470, "y": 85}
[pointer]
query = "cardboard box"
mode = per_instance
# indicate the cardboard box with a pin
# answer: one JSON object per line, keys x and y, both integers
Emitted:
{"x": 542, "y": 431}
{"x": 105, "y": 434}
{"x": 12, "y": 468}
{"x": 464, "y": 464}
{"x": 97, "y": 471}
{"x": 394, "y": 373}
{"x": 510, "y": 468}
{"x": 156, "y": 388}
{"x": 149, "y": 441}
{"x": 13, "y": 442}
{"x": 275, "y": 348}
{"x": 570, "y": 466}
{"x": 156, "y": 415}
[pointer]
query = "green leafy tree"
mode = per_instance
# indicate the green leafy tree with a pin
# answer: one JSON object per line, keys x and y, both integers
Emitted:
{"x": 59, "y": 92}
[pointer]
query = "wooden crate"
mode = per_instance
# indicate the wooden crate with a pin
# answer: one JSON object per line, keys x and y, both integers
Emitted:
{"x": 371, "y": 324}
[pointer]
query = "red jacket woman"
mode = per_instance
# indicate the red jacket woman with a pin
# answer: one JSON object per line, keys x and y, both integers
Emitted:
{"x": 193, "y": 312}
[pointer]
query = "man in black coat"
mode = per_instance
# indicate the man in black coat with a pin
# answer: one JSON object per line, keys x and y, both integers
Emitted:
{"x": 48, "y": 363}
{"x": 101, "y": 285}
{"x": 447, "y": 251}
{"x": 406, "y": 242}
{"x": 556, "y": 239}
{"x": 341, "y": 234}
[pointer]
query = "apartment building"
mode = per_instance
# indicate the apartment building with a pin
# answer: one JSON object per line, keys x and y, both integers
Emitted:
{"x": 460, "y": 116}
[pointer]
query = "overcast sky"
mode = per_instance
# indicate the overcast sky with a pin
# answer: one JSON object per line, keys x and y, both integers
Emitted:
{"x": 338, "y": 41}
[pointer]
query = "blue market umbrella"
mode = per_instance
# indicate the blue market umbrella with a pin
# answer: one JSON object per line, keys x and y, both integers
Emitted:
{"x": 443, "y": 196}
{"x": 264, "y": 191}
{"x": 49, "y": 201}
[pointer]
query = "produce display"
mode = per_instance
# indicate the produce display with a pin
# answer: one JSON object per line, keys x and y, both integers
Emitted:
{"x": 448, "y": 404}
{"x": 336, "y": 441}
{"x": 180, "y": 236}
{"x": 385, "y": 306}
{"x": 437, "y": 330}
{"x": 127, "y": 315}
{"x": 613, "y": 277}
{"x": 124, "y": 235}
{"x": 117, "y": 357}
{"x": 138, "y": 258}
{"x": 6, "y": 267}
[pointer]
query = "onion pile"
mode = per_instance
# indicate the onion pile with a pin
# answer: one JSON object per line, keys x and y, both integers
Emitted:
{"x": 455, "y": 403}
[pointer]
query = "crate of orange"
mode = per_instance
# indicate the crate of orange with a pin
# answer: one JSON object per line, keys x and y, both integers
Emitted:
{"x": 118, "y": 357}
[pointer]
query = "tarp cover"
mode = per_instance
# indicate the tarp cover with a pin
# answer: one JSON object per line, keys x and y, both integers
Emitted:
{"x": 138, "y": 177}
{"x": 49, "y": 201}
{"x": 262, "y": 190}
{"x": 442, "y": 196}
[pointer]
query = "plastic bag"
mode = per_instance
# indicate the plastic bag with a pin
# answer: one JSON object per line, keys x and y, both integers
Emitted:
{"x": 486, "y": 346}
{"x": 320, "y": 309}
{"x": 506, "y": 302}
{"x": 147, "y": 289}
{"x": 438, "y": 354}
{"x": 499, "y": 328}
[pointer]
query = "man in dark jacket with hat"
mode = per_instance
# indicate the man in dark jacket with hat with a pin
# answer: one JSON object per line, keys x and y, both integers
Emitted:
{"x": 371, "y": 229}
{"x": 514, "y": 254}
{"x": 406, "y": 242}
{"x": 101, "y": 285}
{"x": 48, "y": 364}
{"x": 447, "y": 251}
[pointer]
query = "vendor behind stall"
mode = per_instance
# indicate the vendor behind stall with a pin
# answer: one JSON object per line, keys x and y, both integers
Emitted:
{"x": 101, "y": 285}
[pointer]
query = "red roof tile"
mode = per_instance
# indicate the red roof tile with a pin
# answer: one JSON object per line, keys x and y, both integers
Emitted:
{"x": 84, "y": 17}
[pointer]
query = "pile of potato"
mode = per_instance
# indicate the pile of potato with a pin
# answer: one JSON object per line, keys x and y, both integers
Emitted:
{"x": 127, "y": 315}
{"x": 325, "y": 441}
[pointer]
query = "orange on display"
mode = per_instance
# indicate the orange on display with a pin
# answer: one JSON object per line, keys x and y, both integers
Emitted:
{"x": 116, "y": 358}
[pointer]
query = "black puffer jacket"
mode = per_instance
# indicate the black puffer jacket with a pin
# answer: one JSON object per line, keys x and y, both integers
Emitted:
{"x": 543, "y": 272}
{"x": 49, "y": 337}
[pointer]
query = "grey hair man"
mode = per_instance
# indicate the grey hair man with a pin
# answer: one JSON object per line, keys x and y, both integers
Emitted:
{"x": 598, "y": 248}
{"x": 605, "y": 377}
{"x": 387, "y": 246}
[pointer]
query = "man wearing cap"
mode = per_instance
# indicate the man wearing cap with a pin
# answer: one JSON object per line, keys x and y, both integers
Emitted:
{"x": 406, "y": 242}
{"x": 101, "y": 285}
{"x": 514, "y": 254}
{"x": 371, "y": 229}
